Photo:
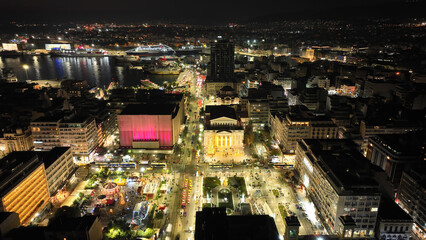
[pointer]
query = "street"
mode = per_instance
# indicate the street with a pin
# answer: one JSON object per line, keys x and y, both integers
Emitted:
{"x": 175, "y": 188}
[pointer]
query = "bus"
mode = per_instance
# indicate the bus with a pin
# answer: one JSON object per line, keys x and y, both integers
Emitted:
{"x": 116, "y": 165}
{"x": 158, "y": 165}
{"x": 222, "y": 165}
{"x": 282, "y": 166}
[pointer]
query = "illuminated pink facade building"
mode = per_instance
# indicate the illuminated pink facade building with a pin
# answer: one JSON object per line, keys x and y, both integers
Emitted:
{"x": 150, "y": 126}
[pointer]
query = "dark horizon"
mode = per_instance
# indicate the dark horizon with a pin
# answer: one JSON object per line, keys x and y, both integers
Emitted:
{"x": 192, "y": 12}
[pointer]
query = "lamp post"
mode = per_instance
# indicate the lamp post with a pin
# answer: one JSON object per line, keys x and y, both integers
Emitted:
{"x": 25, "y": 66}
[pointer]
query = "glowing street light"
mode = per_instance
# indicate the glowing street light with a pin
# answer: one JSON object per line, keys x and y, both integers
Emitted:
{"x": 25, "y": 66}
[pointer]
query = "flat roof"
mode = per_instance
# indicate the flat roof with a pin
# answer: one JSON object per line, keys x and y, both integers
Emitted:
{"x": 213, "y": 223}
{"x": 150, "y": 109}
{"x": 77, "y": 118}
{"x": 65, "y": 225}
{"x": 407, "y": 144}
{"x": 345, "y": 167}
{"x": 73, "y": 224}
{"x": 15, "y": 167}
{"x": 54, "y": 118}
{"x": 5, "y": 215}
{"x": 49, "y": 157}
{"x": 389, "y": 210}
{"x": 292, "y": 221}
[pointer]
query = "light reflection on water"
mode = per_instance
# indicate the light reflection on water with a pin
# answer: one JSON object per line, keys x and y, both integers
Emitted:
{"x": 97, "y": 71}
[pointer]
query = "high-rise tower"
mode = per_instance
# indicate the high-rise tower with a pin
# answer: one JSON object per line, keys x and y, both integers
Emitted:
{"x": 222, "y": 60}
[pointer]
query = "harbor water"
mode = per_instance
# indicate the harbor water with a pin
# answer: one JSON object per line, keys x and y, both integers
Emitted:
{"x": 97, "y": 71}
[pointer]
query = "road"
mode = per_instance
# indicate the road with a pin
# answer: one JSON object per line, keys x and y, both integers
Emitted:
{"x": 186, "y": 167}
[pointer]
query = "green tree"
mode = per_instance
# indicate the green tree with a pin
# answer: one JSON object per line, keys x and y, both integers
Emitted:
{"x": 209, "y": 183}
{"x": 159, "y": 214}
{"x": 238, "y": 183}
{"x": 150, "y": 218}
{"x": 149, "y": 232}
{"x": 248, "y": 134}
{"x": 118, "y": 230}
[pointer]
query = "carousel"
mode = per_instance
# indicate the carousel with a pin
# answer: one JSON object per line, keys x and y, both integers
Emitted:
{"x": 110, "y": 189}
{"x": 108, "y": 195}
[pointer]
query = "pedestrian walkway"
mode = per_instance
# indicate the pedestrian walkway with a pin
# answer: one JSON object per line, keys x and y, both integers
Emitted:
{"x": 309, "y": 209}
{"x": 79, "y": 188}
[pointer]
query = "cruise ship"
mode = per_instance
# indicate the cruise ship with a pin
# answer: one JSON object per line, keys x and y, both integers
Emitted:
{"x": 151, "y": 50}
{"x": 190, "y": 50}
{"x": 79, "y": 53}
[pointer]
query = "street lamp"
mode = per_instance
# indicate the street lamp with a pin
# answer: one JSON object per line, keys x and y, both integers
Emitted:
{"x": 25, "y": 66}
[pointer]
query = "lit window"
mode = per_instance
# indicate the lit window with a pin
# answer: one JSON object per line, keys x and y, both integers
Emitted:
{"x": 308, "y": 165}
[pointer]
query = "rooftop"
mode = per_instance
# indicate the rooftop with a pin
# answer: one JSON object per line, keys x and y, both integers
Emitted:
{"x": 150, "y": 109}
{"x": 49, "y": 157}
{"x": 389, "y": 210}
{"x": 406, "y": 144}
{"x": 292, "y": 221}
{"x": 213, "y": 223}
{"x": 347, "y": 220}
{"x": 80, "y": 224}
{"x": 220, "y": 111}
{"x": 33, "y": 233}
{"x": 54, "y": 118}
{"x": 346, "y": 168}
{"x": 5, "y": 215}
{"x": 418, "y": 173}
{"x": 15, "y": 167}
{"x": 227, "y": 89}
{"x": 76, "y": 118}
{"x": 70, "y": 226}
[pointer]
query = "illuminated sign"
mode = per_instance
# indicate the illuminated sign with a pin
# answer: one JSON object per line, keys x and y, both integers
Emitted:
{"x": 58, "y": 46}
{"x": 10, "y": 46}
{"x": 308, "y": 165}
{"x": 374, "y": 209}
{"x": 275, "y": 159}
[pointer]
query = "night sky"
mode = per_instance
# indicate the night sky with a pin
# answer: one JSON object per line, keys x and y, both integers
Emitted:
{"x": 191, "y": 11}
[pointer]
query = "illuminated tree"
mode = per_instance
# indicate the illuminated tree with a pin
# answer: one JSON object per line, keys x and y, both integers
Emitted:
{"x": 117, "y": 230}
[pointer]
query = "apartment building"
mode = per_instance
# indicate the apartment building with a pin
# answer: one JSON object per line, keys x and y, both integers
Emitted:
{"x": 79, "y": 132}
{"x": 59, "y": 166}
{"x": 299, "y": 124}
{"x": 23, "y": 185}
{"x": 45, "y": 131}
{"x": 338, "y": 180}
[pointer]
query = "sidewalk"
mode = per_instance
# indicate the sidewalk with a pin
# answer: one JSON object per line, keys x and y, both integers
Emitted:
{"x": 79, "y": 188}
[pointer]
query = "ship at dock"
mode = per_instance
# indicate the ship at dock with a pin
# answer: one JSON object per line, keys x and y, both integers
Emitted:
{"x": 80, "y": 52}
{"x": 190, "y": 50}
{"x": 151, "y": 50}
{"x": 127, "y": 58}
